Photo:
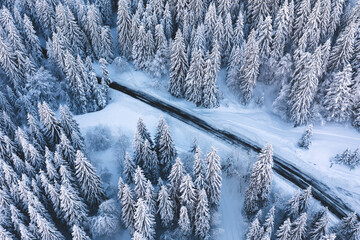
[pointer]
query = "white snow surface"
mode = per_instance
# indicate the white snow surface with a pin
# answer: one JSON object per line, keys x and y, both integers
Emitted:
{"x": 121, "y": 115}
{"x": 260, "y": 125}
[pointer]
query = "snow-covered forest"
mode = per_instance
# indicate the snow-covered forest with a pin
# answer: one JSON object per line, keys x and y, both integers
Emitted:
{"x": 297, "y": 61}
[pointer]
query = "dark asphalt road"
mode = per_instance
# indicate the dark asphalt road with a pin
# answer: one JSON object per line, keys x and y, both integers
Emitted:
{"x": 320, "y": 191}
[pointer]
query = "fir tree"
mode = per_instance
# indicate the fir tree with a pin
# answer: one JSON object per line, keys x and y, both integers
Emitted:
{"x": 343, "y": 50}
{"x": 142, "y": 130}
{"x": 165, "y": 207}
{"x": 202, "y": 216}
{"x": 73, "y": 208}
{"x": 187, "y": 194}
{"x": 303, "y": 89}
{"x": 258, "y": 10}
{"x": 269, "y": 223}
{"x": 175, "y": 177}
{"x": 303, "y": 9}
{"x": 104, "y": 71}
{"x": 179, "y": 65}
{"x": 150, "y": 162}
{"x": 337, "y": 101}
{"x": 66, "y": 150}
{"x": 347, "y": 227}
{"x": 305, "y": 139}
{"x": 318, "y": 228}
{"x": 255, "y": 230}
{"x": 198, "y": 170}
{"x": 298, "y": 230}
{"x": 144, "y": 220}
{"x": 184, "y": 221}
{"x": 282, "y": 31}
{"x": 337, "y": 10}
{"x": 210, "y": 23}
{"x": 67, "y": 122}
{"x": 298, "y": 204}
{"x": 32, "y": 40}
{"x": 129, "y": 168}
{"x": 265, "y": 38}
{"x": 326, "y": 17}
{"x": 165, "y": 148}
{"x": 198, "y": 40}
{"x": 313, "y": 26}
{"x": 139, "y": 50}
{"x": 233, "y": 69}
{"x": 284, "y": 231}
{"x": 140, "y": 183}
{"x": 210, "y": 92}
{"x": 89, "y": 181}
{"x": 78, "y": 233}
{"x": 249, "y": 71}
{"x": 193, "y": 90}
{"x": 150, "y": 197}
{"x": 213, "y": 177}
{"x": 260, "y": 180}
{"x": 46, "y": 229}
{"x": 127, "y": 211}
{"x": 168, "y": 24}
{"x": 239, "y": 30}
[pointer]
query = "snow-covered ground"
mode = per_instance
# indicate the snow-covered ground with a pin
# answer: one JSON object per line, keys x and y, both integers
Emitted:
{"x": 260, "y": 125}
{"x": 121, "y": 116}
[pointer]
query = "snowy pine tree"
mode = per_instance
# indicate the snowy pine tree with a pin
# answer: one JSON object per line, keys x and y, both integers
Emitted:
{"x": 89, "y": 181}
{"x": 144, "y": 220}
{"x": 210, "y": 92}
{"x": 188, "y": 194}
{"x": 260, "y": 180}
{"x": 343, "y": 50}
{"x": 319, "y": 224}
{"x": 184, "y": 221}
{"x": 165, "y": 148}
{"x": 165, "y": 207}
{"x": 284, "y": 231}
{"x": 347, "y": 227}
{"x": 249, "y": 70}
{"x": 255, "y": 230}
{"x": 305, "y": 139}
{"x": 128, "y": 207}
{"x": 298, "y": 230}
{"x": 175, "y": 177}
{"x": 140, "y": 183}
{"x": 337, "y": 101}
{"x": 298, "y": 204}
{"x": 129, "y": 168}
{"x": 78, "y": 233}
{"x": 179, "y": 65}
{"x": 213, "y": 177}
{"x": 194, "y": 78}
{"x": 198, "y": 170}
{"x": 202, "y": 216}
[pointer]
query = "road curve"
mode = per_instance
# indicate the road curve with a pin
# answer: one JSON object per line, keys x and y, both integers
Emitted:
{"x": 320, "y": 191}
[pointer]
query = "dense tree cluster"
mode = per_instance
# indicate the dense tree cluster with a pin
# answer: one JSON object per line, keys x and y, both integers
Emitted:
{"x": 49, "y": 188}
{"x": 348, "y": 158}
{"x": 306, "y": 48}
{"x": 182, "y": 200}
{"x": 298, "y": 223}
